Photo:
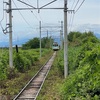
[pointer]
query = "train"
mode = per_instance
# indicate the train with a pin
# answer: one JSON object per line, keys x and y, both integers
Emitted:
{"x": 55, "y": 46}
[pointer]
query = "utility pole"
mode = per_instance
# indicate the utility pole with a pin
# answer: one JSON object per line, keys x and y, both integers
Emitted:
{"x": 51, "y": 41}
{"x": 47, "y": 34}
{"x": 60, "y": 40}
{"x": 10, "y": 36}
{"x": 65, "y": 41}
{"x": 61, "y": 32}
{"x": 40, "y": 36}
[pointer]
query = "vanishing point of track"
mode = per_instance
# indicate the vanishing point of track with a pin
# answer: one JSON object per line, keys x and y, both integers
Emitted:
{"x": 33, "y": 87}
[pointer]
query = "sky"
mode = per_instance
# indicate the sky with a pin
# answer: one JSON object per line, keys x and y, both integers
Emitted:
{"x": 26, "y": 22}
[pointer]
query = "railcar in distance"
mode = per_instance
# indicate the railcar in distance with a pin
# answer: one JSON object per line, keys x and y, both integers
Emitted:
{"x": 55, "y": 46}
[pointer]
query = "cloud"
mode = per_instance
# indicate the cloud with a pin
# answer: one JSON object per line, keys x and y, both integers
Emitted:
{"x": 87, "y": 27}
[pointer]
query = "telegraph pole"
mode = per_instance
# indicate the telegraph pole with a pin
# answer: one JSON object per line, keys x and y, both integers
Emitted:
{"x": 61, "y": 32}
{"x": 40, "y": 36}
{"x": 61, "y": 39}
{"x": 65, "y": 41}
{"x": 10, "y": 36}
{"x": 47, "y": 34}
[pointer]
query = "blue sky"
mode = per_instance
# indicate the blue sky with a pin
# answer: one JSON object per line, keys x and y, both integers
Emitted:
{"x": 85, "y": 19}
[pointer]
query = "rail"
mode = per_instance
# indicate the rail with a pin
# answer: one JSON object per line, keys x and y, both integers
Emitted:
{"x": 33, "y": 87}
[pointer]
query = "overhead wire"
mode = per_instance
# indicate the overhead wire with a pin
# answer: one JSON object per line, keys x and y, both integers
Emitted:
{"x": 72, "y": 17}
{"x": 22, "y": 15}
{"x": 70, "y": 23}
{"x": 4, "y": 30}
{"x": 76, "y": 4}
{"x": 35, "y": 16}
{"x": 2, "y": 17}
{"x": 72, "y": 4}
{"x": 24, "y": 20}
{"x": 32, "y": 12}
{"x": 79, "y": 6}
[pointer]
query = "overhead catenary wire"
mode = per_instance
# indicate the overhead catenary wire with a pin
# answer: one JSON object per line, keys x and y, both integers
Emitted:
{"x": 79, "y": 6}
{"x": 76, "y": 4}
{"x": 23, "y": 19}
{"x": 71, "y": 17}
{"x": 38, "y": 12}
{"x": 71, "y": 22}
{"x": 29, "y": 4}
{"x": 22, "y": 15}
{"x": 32, "y": 11}
{"x": 3, "y": 14}
{"x": 73, "y": 4}
{"x": 2, "y": 18}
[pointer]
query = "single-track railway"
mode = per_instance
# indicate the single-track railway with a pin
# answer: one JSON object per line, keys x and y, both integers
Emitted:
{"x": 33, "y": 87}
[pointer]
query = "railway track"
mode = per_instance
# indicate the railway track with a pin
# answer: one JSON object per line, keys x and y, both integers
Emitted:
{"x": 33, "y": 87}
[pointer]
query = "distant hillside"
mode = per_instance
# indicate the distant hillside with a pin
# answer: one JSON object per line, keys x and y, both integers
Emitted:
{"x": 97, "y": 35}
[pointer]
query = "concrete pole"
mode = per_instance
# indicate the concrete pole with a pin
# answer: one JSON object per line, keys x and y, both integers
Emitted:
{"x": 47, "y": 34}
{"x": 61, "y": 35}
{"x": 60, "y": 41}
{"x": 51, "y": 42}
{"x": 65, "y": 40}
{"x": 40, "y": 37}
{"x": 10, "y": 37}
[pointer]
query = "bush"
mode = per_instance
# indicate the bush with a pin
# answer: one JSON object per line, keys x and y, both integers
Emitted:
{"x": 3, "y": 72}
{"x": 84, "y": 83}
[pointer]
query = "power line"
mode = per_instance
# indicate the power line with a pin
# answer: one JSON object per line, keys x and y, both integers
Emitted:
{"x": 76, "y": 3}
{"x": 3, "y": 13}
{"x": 79, "y": 6}
{"x": 22, "y": 15}
{"x": 2, "y": 17}
{"x": 71, "y": 18}
{"x": 72, "y": 4}
{"x": 38, "y": 13}
{"x": 71, "y": 22}
{"x": 32, "y": 11}
{"x": 4, "y": 30}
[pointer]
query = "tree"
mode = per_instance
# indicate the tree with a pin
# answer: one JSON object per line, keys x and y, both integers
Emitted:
{"x": 33, "y": 43}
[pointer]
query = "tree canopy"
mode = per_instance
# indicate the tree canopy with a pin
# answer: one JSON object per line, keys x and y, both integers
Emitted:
{"x": 35, "y": 43}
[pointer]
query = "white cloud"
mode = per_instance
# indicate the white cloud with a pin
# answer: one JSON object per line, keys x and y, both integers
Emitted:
{"x": 87, "y": 27}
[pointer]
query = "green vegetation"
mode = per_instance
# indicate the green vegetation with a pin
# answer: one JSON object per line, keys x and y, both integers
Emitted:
{"x": 26, "y": 63}
{"x": 35, "y": 43}
{"x": 83, "y": 82}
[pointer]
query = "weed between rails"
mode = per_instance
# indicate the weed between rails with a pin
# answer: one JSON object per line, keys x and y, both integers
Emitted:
{"x": 50, "y": 90}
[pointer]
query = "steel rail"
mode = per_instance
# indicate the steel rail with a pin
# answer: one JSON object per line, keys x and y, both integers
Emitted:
{"x": 42, "y": 84}
{"x": 35, "y": 76}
